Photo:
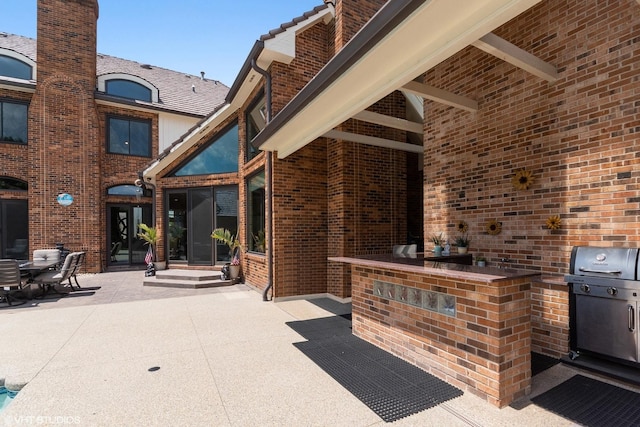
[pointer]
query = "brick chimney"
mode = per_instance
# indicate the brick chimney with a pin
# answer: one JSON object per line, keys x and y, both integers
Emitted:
{"x": 64, "y": 146}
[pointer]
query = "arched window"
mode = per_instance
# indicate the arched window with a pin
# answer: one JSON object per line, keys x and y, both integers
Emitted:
{"x": 128, "y": 89}
{"x": 8, "y": 183}
{"x": 219, "y": 155}
{"x": 12, "y": 67}
{"x": 126, "y": 190}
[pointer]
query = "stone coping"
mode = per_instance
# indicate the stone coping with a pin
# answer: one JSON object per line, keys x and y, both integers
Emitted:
{"x": 428, "y": 266}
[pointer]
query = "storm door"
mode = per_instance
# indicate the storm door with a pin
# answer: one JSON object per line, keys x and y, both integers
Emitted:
{"x": 125, "y": 247}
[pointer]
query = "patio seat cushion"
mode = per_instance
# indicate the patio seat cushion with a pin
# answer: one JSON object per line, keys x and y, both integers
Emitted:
{"x": 46, "y": 255}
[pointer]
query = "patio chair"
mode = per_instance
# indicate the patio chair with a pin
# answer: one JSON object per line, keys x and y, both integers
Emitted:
{"x": 46, "y": 255}
{"x": 10, "y": 279}
{"x": 77, "y": 266}
{"x": 48, "y": 280}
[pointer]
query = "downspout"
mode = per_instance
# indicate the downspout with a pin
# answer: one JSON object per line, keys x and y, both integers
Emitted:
{"x": 268, "y": 172}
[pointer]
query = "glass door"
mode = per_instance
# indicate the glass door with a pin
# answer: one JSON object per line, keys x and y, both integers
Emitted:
{"x": 192, "y": 214}
{"x": 14, "y": 229}
{"x": 125, "y": 248}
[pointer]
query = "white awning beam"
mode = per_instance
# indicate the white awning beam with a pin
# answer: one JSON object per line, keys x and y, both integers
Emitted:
{"x": 512, "y": 54}
{"x": 375, "y": 141}
{"x": 441, "y": 96}
{"x": 389, "y": 121}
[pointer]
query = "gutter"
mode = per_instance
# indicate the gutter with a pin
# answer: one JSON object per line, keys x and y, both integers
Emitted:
{"x": 268, "y": 173}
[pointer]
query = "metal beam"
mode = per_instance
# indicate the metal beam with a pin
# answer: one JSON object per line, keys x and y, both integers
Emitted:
{"x": 512, "y": 54}
{"x": 375, "y": 141}
{"x": 389, "y": 121}
{"x": 441, "y": 96}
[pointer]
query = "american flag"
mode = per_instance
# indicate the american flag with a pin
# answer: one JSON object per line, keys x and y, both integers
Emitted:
{"x": 148, "y": 258}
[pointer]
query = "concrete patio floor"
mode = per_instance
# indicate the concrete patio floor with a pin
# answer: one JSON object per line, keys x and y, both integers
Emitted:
{"x": 224, "y": 358}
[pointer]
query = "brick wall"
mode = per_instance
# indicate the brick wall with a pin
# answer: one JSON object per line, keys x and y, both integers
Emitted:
{"x": 483, "y": 348}
{"x": 550, "y": 318}
{"x": 64, "y": 153}
{"x": 577, "y": 136}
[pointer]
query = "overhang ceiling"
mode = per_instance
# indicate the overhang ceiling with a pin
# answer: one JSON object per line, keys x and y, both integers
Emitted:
{"x": 402, "y": 41}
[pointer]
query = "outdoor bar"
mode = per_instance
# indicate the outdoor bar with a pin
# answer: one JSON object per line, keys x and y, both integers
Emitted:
{"x": 468, "y": 325}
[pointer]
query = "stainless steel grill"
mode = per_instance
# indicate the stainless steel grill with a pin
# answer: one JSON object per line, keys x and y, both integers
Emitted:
{"x": 604, "y": 303}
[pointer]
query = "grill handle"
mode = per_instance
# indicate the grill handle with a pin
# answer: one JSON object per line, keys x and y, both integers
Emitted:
{"x": 589, "y": 270}
{"x": 631, "y": 318}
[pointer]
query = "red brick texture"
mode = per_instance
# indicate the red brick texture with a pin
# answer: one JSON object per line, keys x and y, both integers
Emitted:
{"x": 64, "y": 149}
{"x": 578, "y": 136}
{"x": 485, "y": 348}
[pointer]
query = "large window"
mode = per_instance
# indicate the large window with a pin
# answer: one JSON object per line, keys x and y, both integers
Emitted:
{"x": 12, "y": 67}
{"x": 256, "y": 118}
{"x": 128, "y": 89}
{"x": 219, "y": 155}
{"x": 256, "y": 213}
{"x": 129, "y": 136}
{"x": 13, "y": 122}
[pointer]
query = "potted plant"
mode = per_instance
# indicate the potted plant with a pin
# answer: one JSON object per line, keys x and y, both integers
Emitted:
{"x": 231, "y": 240}
{"x": 481, "y": 261}
{"x": 462, "y": 242}
{"x": 438, "y": 241}
{"x": 150, "y": 237}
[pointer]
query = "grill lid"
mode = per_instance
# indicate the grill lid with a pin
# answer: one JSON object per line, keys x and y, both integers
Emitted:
{"x": 619, "y": 263}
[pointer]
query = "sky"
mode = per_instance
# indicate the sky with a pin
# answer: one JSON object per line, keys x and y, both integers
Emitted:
{"x": 190, "y": 36}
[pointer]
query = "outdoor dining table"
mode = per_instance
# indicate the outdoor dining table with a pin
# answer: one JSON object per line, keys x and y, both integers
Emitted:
{"x": 31, "y": 269}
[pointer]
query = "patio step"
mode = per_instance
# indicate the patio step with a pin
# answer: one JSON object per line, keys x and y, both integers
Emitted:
{"x": 187, "y": 279}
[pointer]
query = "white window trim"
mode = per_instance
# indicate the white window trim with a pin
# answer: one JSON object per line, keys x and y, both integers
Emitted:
{"x": 20, "y": 57}
{"x": 103, "y": 79}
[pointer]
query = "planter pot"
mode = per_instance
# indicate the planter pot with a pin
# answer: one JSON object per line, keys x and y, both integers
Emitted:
{"x": 462, "y": 249}
{"x": 160, "y": 265}
{"x": 234, "y": 271}
{"x": 437, "y": 250}
{"x": 482, "y": 263}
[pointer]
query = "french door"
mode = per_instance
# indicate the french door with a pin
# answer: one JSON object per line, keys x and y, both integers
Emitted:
{"x": 191, "y": 215}
{"x": 124, "y": 246}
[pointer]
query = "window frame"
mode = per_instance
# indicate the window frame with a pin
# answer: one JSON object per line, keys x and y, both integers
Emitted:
{"x": 129, "y": 119}
{"x": 209, "y": 142}
{"x": 26, "y": 122}
{"x": 250, "y": 215}
{"x": 260, "y": 98}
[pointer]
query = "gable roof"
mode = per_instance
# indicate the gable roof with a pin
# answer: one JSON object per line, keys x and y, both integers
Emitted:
{"x": 179, "y": 92}
{"x": 277, "y": 45}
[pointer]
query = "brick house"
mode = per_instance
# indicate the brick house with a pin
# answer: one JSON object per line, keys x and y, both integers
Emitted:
{"x": 363, "y": 124}
{"x": 78, "y": 123}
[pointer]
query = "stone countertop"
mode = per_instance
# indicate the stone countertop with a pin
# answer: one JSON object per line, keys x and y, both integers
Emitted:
{"x": 431, "y": 265}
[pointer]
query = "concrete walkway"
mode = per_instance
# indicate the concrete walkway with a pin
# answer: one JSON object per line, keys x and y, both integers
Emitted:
{"x": 129, "y": 355}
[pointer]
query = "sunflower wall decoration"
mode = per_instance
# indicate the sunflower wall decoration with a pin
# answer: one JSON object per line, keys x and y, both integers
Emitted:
{"x": 494, "y": 227}
{"x": 553, "y": 222}
{"x": 522, "y": 180}
{"x": 462, "y": 227}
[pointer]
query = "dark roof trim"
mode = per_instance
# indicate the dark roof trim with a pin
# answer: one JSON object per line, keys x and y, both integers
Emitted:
{"x": 388, "y": 17}
{"x": 256, "y": 50}
{"x": 141, "y": 104}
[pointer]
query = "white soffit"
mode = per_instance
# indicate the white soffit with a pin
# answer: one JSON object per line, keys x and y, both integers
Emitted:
{"x": 282, "y": 47}
{"x": 434, "y": 32}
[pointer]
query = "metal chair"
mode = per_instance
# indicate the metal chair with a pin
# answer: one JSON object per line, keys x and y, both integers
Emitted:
{"x": 46, "y": 255}
{"x": 77, "y": 266}
{"x": 10, "y": 279}
{"x": 48, "y": 280}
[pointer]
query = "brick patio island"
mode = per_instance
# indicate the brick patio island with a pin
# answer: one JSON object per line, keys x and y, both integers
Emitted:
{"x": 468, "y": 325}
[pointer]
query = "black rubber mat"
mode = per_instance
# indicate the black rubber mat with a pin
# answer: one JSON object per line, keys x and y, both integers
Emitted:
{"x": 389, "y": 386}
{"x": 541, "y": 362}
{"x": 592, "y": 403}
